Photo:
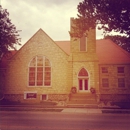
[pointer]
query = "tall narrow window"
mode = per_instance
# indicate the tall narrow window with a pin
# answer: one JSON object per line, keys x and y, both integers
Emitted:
{"x": 121, "y": 82}
{"x": 105, "y": 82}
{"x": 47, "y": 73}
{"x": 83, "y": 43}
{"x": 40, "y": 71}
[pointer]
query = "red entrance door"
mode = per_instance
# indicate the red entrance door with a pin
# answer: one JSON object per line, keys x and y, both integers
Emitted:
{"x": 83, "y": 78}
{"x": 83, "y": 84}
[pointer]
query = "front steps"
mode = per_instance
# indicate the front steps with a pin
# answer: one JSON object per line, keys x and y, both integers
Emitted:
{"x": 82, "y": 100}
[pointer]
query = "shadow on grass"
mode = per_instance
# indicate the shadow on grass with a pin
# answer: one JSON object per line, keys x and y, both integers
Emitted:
{"x": 45, "y": 106}
{"x": 30, "y": 109}
{"x": 8, "y": 102}
{"x": 11, "y": 103}
{"x": 116, "y": 111}
{"x": 122, "y": 105}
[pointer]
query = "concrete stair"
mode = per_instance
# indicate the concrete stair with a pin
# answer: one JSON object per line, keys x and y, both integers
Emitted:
{"x": 82, "y": 100}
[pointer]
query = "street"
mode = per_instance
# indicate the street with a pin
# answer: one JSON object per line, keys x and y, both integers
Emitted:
{"x": 27, "y": 120}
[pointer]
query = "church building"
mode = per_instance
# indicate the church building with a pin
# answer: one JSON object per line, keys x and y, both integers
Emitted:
{"x": 80, "y": 71}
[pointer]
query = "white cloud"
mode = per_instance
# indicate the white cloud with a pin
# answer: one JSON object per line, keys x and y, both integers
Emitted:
{"x": 53, "y": 16}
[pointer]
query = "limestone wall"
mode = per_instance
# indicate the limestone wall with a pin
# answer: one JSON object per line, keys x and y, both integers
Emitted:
{"x": 17, "y": 71}
{"x": 113, "y": 77}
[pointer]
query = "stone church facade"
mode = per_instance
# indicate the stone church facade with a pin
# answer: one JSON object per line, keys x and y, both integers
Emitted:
{"x": 44, "y": 69}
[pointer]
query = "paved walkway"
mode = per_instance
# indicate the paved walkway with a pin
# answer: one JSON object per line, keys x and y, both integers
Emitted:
{"x": 96, "y": 111}
{"x": 82, "y": 110}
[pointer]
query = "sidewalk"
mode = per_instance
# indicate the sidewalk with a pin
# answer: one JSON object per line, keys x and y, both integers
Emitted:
{"x": 96, "y": 111}
{"x": 82, "y": 110}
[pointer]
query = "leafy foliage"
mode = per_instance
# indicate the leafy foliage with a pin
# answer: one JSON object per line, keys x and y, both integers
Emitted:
{"x": 109, "y": 15}
{"x": 9, "y": 36}
{"x": 122, "y": 41}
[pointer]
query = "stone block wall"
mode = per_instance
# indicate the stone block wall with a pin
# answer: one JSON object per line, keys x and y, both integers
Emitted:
{"x": 20, "y": 98}
{"x": 84, "y": 59}
{"x": 92, "y": 69}
{"x": 114, "y": 93}
{"x": 115, "y": 97}
{"x": 17, "y": 71}
{"x": 113, "y": 76}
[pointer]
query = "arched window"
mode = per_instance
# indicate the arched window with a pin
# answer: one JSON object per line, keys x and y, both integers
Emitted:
{"x": 83, "y": 72}
{"x": 39, "y": 71}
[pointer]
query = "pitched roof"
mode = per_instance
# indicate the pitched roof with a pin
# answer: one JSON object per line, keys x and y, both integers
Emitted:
{"x": 65, "y": 45}
{"x": 108, "y": 52}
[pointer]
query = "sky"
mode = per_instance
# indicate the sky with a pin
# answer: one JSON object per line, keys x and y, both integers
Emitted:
{"x": 53, "y": 16}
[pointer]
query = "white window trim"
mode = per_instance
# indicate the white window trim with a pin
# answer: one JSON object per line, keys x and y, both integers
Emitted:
{"x": 45, "y": 86}
{"x": 46, "y": 97}
{"x": 26, "y": 92}
{"x": 83, "y": 77}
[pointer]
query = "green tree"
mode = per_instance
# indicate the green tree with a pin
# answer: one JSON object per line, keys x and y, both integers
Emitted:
{"x": 9, "y": 36}
{"x": 109, "y": 15}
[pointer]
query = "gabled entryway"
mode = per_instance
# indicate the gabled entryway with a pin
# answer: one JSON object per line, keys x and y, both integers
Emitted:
{"x": 83, "y": 80}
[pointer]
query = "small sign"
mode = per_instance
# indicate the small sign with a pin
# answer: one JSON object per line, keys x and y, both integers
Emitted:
{"x": 31, "y": 95}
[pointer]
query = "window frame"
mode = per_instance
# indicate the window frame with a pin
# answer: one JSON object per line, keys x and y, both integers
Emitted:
{"x": 85, "y": 49}
{"x": 44, "y": 66}
{"x": 121, "y": 70}
{"x": 105, "y": 71}
{"x": 120, "y": 83}
{"x": 30, "y": 92}
{"x": 104, "y": 82}
{"x": 46, "y": 97}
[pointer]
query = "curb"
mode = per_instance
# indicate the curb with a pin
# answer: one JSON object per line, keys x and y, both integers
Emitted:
{"x": 65, "y": 109}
